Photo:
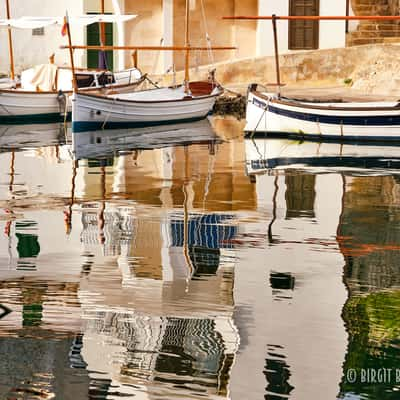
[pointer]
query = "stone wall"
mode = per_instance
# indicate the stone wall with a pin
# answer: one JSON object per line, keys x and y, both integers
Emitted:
{"x": 374, "y": 31}
{"x": 371, "y": 69}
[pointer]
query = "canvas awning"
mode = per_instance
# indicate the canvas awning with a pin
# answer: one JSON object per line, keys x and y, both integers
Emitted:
{"x": 81, "y": 20}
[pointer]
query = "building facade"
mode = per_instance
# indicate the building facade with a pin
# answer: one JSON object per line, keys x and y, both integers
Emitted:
{"x": 162, "y": 21}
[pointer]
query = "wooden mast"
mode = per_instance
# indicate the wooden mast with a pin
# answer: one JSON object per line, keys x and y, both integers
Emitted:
{"x": 102, "y": 26}
{"x": 102, "y": 61}
{"x": 187, "y": 44}
{"x": 10, "y": 43}
{"x": 276, "y": 48}
{"x": 318, "y": 17}
{"x": 71, "y": 53}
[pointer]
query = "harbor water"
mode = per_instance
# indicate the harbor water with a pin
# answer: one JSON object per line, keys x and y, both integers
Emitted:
{"x": 189, "y": 262}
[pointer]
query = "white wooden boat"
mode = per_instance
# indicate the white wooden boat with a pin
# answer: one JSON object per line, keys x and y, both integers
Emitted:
{"x": 22, "y": 106}
{"x": 264, "y": 155}
{"x": 94, "y": 111}
{"x": 270, "y": 113}
{"x": 189, "y": 102}
{"x": 273, "y": 114}
{"x": 31, "y": 102}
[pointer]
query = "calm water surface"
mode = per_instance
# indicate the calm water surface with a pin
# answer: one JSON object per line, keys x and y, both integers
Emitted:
{"x": 193, "y": 264}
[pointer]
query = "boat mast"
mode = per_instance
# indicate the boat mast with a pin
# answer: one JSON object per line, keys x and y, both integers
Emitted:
{"x": 102, "y": 33}
{"x": 10, "y": 43}
{"x": 276, "y": 48}
{"x": 71, "y": 53}
{"x": 102, "y": 26}
{"x": 187, "y": 44}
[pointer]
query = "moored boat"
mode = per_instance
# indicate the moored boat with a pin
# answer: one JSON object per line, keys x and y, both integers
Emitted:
{"x": 115, "y": 109}
{"x": 273, "y": 113}
{"x": 42, "y": 95}
{"x": 93, "y": 111}
{"x": 270, "y": 113}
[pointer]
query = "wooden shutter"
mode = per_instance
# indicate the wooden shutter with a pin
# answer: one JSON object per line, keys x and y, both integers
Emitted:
{"x": 94, "y": 40}
{"x": 304, "y": 35}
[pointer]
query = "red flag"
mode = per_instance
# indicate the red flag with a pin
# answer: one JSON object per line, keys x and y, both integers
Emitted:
{"x": 64, "y": 29}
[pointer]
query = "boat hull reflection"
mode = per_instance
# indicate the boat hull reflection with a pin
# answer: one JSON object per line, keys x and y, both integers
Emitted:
{"x": 272, "y": 153}
{"x": 13, "y": 137}
{"x": 101, "y": 144}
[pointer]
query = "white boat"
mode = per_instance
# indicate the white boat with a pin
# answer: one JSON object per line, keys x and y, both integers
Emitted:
{"x": 273, "y": 114}
{"x": 7, "y": 83}
{"x": 94, "y": 111}
{"x": 264, "y": 155}
{"x": 188, "y": 102}
{"x": 42, "y": 95}
{"x": 105, "y": 143}
{"x": 25, "y": 105}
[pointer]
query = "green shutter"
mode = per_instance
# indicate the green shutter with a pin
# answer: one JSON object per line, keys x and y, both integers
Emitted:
{"x": 93, "y": 39}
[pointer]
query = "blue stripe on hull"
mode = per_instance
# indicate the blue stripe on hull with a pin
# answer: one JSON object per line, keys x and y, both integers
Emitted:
{"x": 370, "y": 120}
{"x": 328, "y": 161}
{"x": 32, "y": 119}
{"x": 86, "y": 126}
{"x": 325, "y": 138}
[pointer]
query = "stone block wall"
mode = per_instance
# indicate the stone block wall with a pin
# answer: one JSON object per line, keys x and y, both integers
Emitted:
{"x": 368, "y": 32}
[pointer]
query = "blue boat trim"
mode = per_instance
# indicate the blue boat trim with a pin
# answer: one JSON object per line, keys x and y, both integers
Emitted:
{"x": 33, "y": 118}
{"x": 328, "y": 161}
{"x": 355, "y": 139}
{"x": 370, "y": 120}
{"x": 86, "y": 126}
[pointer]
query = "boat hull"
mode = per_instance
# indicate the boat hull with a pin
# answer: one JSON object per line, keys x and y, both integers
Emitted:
{"x": 99, "y": 112}
{"x": 348, "y": 121}
{"x": 21, "y": 107}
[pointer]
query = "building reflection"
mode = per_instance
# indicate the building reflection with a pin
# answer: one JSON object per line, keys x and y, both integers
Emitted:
{"x": 171, "y": 321}
{"x": 368, "y": 236}
{"x": 145, "y": 305}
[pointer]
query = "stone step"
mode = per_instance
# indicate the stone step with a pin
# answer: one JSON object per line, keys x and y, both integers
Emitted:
{"x": 377, "y": 34}
{"x": 394, "y": 39}
{"x": 376, "y": 9}
{"x": 378, "y": 27}
{"x": 361, "y": 41}
{"x": 370, "y": 2}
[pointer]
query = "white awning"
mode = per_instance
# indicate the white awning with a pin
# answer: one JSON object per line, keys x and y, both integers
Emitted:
{"x": 81, "y": 20}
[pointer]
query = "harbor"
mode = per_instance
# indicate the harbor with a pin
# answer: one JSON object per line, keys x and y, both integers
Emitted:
{"x": 209, "y": 215}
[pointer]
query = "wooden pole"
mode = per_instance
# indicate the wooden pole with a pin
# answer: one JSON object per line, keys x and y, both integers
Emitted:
{"x": 102, "y": 30}
{"x": 187, "y": 44}
{"x": 135, "y": 58}
{"x": 71, "y": 55}
{"x": 155, "y": 48}
{"x": 10, "y": 44}
{"x": 276, "y": 48}
{"x": 319, "y": 17}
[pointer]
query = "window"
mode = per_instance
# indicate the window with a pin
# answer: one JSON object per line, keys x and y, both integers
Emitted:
{"x": 38, "y": 32}
{"x": 304, "y": 35}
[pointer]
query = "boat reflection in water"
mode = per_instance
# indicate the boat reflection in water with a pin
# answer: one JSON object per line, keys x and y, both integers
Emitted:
{"x": 171, "y": 320}
{"x": 143, "y": 298}
{"x": 14, "y": 137}
{"x": 353, "y": 189}
{"x": 103, "y": 144}
{"x": 274, "y": 153}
